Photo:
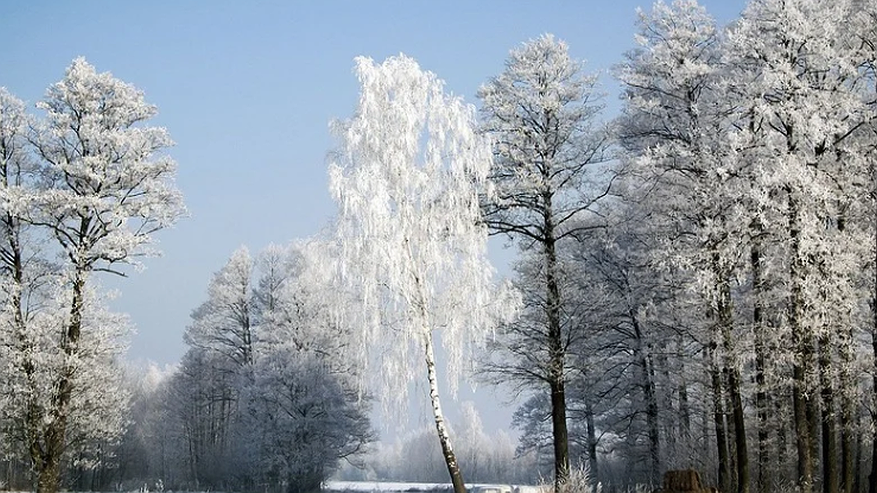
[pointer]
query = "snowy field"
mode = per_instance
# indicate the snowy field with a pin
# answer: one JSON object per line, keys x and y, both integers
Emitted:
{"x": 402, "y": 487}
{"x": 383, "y": 486}
{"x": 389, "y": 486}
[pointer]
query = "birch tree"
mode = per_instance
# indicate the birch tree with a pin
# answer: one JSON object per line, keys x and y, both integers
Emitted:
{"x": 541, "y": 113}
{"x": 407, "y": 176}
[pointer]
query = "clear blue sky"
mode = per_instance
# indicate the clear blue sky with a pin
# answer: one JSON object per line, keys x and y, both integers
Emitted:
{"x": 247, "y": 90}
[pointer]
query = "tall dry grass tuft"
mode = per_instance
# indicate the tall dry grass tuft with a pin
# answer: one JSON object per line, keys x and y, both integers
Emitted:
{"x": 579, "y": 481}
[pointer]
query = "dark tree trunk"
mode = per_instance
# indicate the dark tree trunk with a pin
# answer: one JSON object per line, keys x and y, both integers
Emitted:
{"x": 858, "y": 470}
{"x": 802, "y": 399}
{"x": 872, "y": 477}
{"x": 592, "y": 443}
{"x": 556, "y": 351}
{"x": 848, "y": 419}
{"x": 782, "y": 446}
{"x": 847, "y": 389}
{"x": 49, "y": 474}
{"x": 830, "y": 483}
{"x": 726, "y": 321}
{"x": 559, "y": 430}
{"x": 802, "y": 343}
{"x": 648, "y": 385}
{"x": 719, "y": 419}
{"x": 684, "y": 406}
{"x": 761, "y": 399}
{"x": 48, "y": 466}
{"x": 742, "y": 457}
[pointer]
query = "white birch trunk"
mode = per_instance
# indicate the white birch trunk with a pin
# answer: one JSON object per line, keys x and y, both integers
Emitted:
{"x": 441, "y": 428}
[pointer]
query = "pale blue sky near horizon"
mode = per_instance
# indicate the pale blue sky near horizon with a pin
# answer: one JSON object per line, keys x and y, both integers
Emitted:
{"x": 247, "y": 91}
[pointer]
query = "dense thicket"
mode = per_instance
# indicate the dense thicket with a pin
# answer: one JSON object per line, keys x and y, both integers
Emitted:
{"x": 732, "y": 290}
{"x": 265, "y": 397}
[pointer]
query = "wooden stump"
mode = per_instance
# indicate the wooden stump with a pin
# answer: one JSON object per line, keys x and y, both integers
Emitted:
{"x": 683, "y": 481}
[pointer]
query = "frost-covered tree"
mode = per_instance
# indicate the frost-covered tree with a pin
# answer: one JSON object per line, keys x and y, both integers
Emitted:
{"x": 407, "y": 176}
{"x": 151, "y": 452}
{"x": 13, "y": 238}
{"x": 804, "y": 88}
{"x": 265, "y": 385}
{"x": 16, "y": 174}
{"x": 96, "y": 415}
{"x": 301, "y": 410}
{"x": 225, "y": 324}
{"x": 541, "y": 113}
{"x": 865, "y": 29}
{"x": 474, "y": 442}
{"x": 105, "y": 188}
{"x": 277, "y": 267}
{"x": 214, "y": 371}
{"x": 296, "y": 300}
{"x": 749, "y": 167}
{"x": 300, "y": 419}
{"x": 203, "y": 401}
{"x": 674, "y": 125}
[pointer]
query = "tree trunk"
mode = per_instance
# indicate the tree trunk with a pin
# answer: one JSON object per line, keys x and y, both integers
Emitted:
{"x": 726, "y": 321}
{"x": 684, "y": 406}
{"x": 49, "y": 474}
{"x": 54, "y": 434}
{"x": 684, "y": 400}
{"x": 444, "y": 437}
{"x": 594, "y": 473}
{"x": 782, "y": 446}
{"x": 719, "y": 419}
{"x": 742, "y": 456}
{"x": 848, "y": 419}
{"x": 802, "y": 403}
{"x": 802, "y": 342}
{"x": 761, "y": 400}
{"x": 830, "y": 483}
{"x": 559, "y": 430}
{"x": 556, "y": 362}
{"x": 872, "y": 477}
{"x": 858, "y": 470}
{"x": 649, "y": 393}
{"x": 848, "y": 390}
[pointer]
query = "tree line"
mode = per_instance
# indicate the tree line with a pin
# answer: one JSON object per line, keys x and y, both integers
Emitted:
{"x": 710, "y": 301}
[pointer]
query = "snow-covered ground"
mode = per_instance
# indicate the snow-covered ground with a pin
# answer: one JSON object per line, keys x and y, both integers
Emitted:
{"x": 402, "y": 487}
{"x": 380, "y": 486}
{"x": 390, "y": 486}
